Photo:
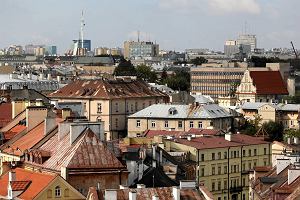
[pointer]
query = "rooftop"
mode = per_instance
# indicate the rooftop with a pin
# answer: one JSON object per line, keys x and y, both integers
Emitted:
{"x": 182, "y": 112}
{"x": 107, "y": 89}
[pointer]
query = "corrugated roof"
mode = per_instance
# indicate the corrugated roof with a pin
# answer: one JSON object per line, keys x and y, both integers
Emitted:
{"x": 268, "y": 82}
{"x": 182, "y": 112}
{"x": 107, "y": 89}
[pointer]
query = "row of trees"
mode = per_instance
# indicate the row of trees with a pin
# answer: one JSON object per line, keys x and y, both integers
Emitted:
{"x": 179, "y": 80}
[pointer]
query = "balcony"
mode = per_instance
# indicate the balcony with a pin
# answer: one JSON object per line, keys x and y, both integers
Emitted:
{"x": 236, "y": 189}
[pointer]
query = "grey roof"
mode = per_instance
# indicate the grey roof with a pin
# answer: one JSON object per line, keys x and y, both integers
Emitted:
{"x": 76, "y": 107}
{"x": 164, "y": 88}
{"x": 202, "y": 99}
{"x": 256, "y": 105}
{"x": 88, "y": 60}
{"x": 27, "y": 94}
{"x": 182, "y": 112}
{"x": 282, "y": 107}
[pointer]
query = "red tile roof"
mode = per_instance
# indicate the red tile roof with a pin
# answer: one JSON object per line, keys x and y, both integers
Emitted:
{"x": 107, "y": 89}
{"x": 152, "y": 133}
{"x": 5, "y": 113}
{"x": 268, "y": 82}
{"x": 27, "y": 141}
{"x": 14, "y": 131}
{"x": 220, "y": 142}
{"x": 19, "y": 185}
{"x": 38, "y": 182}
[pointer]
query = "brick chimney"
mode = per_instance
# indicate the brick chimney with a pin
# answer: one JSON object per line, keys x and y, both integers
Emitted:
{"x": 110, "y": 194}
{"x": 35, "y": 115}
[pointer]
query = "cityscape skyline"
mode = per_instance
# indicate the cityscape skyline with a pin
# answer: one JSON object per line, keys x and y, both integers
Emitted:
{"x": 191, "y": 23}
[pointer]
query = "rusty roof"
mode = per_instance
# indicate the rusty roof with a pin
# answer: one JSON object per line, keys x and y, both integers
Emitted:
{"x": 220, "y": 142}
{"x": 35, "y": 183}
{"x": 87, "y": 151}
{"x": 14, "y": 131}
{"x": 107, "y": 89}
{"x": 26, "y": 141}
{"x": 163, "y": 193}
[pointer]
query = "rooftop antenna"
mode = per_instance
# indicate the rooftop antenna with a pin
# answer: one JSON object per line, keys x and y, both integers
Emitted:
{"x": 82, "y": 24}
{"x": 138, "y": 36}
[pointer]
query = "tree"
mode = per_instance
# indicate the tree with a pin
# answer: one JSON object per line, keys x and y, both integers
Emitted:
{"x": 274, "y": 129}
{"x": 125, "y": 68}
{"x": 179, "y": 81}
{"x": 198, "y": 61}
{"x": 146, "y": 73}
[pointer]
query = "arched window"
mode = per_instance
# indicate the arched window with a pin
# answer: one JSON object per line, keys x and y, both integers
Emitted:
{"x": 49, "y": 194}
{"x": 57, "y": 191}
{"x": 67, "y": 192}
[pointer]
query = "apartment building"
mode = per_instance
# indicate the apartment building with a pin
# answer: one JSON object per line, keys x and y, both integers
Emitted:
{"x": 223, "y": 162}
{"x": 286, "y": 114}
{"x": 254, "y": 87}
{"x": 140, "y": 49}
{"x": 110, "y": 101}
{"x": 218, "y": 80}
{"x": 179, "y": 118}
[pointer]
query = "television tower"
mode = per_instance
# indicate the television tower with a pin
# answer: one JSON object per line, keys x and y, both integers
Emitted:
{"x": 82, "y": 24}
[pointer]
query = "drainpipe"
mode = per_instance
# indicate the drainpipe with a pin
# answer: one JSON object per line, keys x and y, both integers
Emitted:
{"x": 198, "y": 168}
{"x": 241, "y": 171}
{"x": 228, "y": 181}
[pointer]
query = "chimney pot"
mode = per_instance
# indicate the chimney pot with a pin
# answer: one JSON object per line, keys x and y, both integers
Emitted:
{"x": 176, "y": 193}
{"x": 12, "y": 176}
{"x": 132, "y": 195}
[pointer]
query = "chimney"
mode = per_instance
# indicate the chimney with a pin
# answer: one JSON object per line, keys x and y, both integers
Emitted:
{"x": 228, "y": 137}
{"x": 66, "y": 112}
{"x": 132, "y": 195}
{"x": 58, "y": 79}
{"x": 49, "y": 77}
{"x": 110, "y": 194}
{"x": 296, "y": 140}
{"x": 41, "y": 77}
{"x": 187, "y": 184}
{"x": 140, "y": 186}
{"x": 289, "y": 140}
{"x": 293, "y": 174}
{"x": 98, "y": 186}
{"x": 155, "y": 197}
{"x": 176, "y": 193}
{"x": 123, "y": 187}
{"x": 29, "y": 76}
{"x": 12, "y": 176}
{"x": 50, "y": 123}
{"x": 189, "y": 138}
{"x": 35, "y": 115}
{"x": 78, "y": 127}
{"x": 282, "y": 164}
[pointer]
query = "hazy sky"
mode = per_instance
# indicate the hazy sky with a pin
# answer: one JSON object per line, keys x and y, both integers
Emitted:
{"x": 174, "y": 24}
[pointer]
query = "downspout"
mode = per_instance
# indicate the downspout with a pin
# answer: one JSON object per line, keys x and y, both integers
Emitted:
{"x": 110, "y": 119}
{"x": 228, "y": 184}
{"x": 198, "y": 168}
{"x": 241, "y": 171}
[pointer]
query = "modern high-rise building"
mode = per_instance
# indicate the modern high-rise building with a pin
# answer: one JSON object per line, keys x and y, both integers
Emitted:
{"x": 232, "y": 48}
{"x": 51, "y": 50}
{"x": 247, "y": 39}
{"x": 139, "y": 49}
{"x": 86, "y": 44}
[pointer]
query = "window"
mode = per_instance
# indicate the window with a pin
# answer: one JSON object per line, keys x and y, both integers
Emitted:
{"x": 202, "y": 157}
{"x": 244, "y": 153}
{"x": 144, "y": 105}
{"x": 213, "y": 186}
{"x": 213, "y": 170}
{"x": 244, "y": 182}
{"x": 99, "y": 107}
{"x": 49, "y": 194}
{"x": 117, "y": 107}
{"x": 199, "y": 124}
{"x": 219, "y": 198}
{"x": 179, "y": 124}
{"x": 131, "y": 107}
{"x": 225, "y": 169}
{"x": 138, "y": 123}
{"x": 265, "y": 163}
{"x": 244, "y": 166}
{"x": 249, "y": 165}
{"x": 254, "y": 164}
{"x": 136, "y": 106}
{"x": 225, "y": 184}
{"x": 213, "y": 156}
{"x": 219, "y": 156}
{"x": 153, "y": 124}
{"x": 57, "y": 191}
{"x": 211, "y": 123}
{"x": 225, "y": 155}
{"x": 234, "y": 154}
{"x": 244, "y": 197}
{"x": 249, "y": 152}
{"x": 265, "y": 151}
{"x": 127, "y": 107}
{"x": 219, "y": 186}
{"x": 255, "y": 152}
{"x": 191, "y": 124}
{"x": 202, "y": 172}
{"x": 219, "y": 170}
{"x": 66, "y": 192}
{"x": 117, "y": 123}
{"x": 166, "y": 124}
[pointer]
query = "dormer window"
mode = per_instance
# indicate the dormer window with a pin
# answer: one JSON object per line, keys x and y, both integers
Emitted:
{"x": 172, "y": 111}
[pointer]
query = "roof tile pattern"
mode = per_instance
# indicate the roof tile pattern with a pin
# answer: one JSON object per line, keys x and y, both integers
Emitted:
{"x": 86, "y": 152}
{"x": 107, "y": 89}
{"x": 36, "y": 182}
{"x": 268, "y": 82}
{"x": 19, "y": 185}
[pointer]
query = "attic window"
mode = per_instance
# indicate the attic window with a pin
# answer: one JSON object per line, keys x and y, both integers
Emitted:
{"x": 57, "y": 191}
{"x": 172, "y": 111}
